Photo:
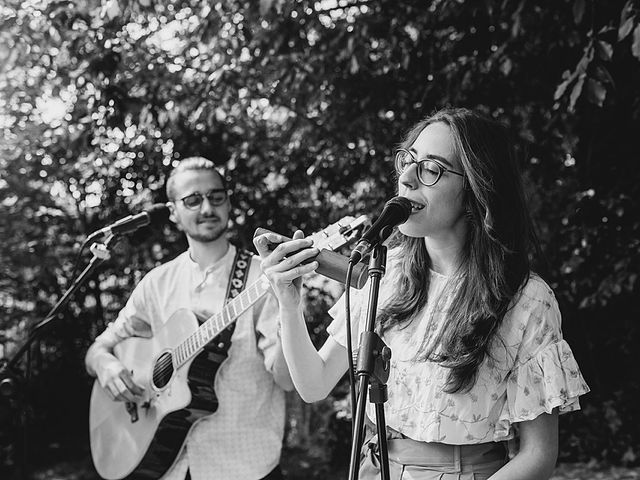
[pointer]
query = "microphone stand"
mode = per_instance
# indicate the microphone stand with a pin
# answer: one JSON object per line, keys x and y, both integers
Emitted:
{"x": 373, "y": 372}
{"x": 9, "y": 376}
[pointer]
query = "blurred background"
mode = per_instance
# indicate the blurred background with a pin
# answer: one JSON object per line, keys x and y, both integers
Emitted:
{"x": 301, "y": 104}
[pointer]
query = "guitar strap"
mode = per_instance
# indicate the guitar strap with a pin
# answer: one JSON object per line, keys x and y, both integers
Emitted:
{"x": 237, "y": 282}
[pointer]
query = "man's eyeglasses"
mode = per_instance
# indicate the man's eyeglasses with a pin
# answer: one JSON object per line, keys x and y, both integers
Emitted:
{"x": 429, "y": 170}
{"x": 216, "y": 197}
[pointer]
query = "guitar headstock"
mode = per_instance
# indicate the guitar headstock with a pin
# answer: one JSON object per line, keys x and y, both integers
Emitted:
{"x": 328, "y": 240}
{"x": 341, "y": 233}
{"x": 336, "y": 235}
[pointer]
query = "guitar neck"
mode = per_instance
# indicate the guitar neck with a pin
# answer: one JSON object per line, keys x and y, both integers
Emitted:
{"x": 215, "y": 324}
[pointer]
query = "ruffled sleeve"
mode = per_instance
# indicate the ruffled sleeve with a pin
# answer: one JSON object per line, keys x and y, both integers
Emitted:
{"x": 545, "y": 375}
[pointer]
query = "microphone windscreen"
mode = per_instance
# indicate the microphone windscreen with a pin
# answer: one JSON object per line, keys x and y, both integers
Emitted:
{"x": 402, "y": 206}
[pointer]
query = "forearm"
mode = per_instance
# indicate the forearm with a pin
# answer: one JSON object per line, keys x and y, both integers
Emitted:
{"x": 538, "y": 450}
{"x": 527, "y": 466}
{"x": 312, "y": 375}
{"x": 97, "y": 356}
{"x": 100, "y": 354}
{"x": 280, "y": 370}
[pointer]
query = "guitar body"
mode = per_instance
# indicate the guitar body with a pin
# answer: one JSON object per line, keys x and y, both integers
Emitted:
{"x": 143, "y": 440}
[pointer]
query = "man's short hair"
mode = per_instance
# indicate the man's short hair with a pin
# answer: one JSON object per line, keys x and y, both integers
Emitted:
{"x": 187, "y": 164}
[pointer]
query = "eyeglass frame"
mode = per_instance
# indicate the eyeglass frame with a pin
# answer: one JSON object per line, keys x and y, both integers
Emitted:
{"x": 202, "y": 198}
{"x": 417, "y": 162}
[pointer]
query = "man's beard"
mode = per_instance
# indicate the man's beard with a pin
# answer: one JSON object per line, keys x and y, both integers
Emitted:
{"x": 210, "y": 236}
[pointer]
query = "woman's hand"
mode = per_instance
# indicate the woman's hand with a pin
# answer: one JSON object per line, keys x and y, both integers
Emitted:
{"x": 285, "y": 264}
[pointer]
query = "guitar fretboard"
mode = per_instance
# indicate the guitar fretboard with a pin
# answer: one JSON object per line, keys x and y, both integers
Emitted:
{"x": 215, "y": 324}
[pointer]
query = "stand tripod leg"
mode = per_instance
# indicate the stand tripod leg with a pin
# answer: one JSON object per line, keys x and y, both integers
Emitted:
{"x": 382, "y": 442}
{"x": 378, "y": 396}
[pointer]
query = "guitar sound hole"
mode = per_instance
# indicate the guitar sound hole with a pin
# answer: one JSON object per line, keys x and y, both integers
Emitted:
{"x": 163, "y": 370}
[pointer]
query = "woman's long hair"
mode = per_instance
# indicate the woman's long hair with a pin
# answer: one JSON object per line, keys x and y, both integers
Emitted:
{"x": 496, "y": 251}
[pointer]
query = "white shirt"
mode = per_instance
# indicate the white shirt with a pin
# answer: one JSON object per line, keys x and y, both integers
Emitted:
{"x": 243, "y": 438}
{"x": 530, "y": 370}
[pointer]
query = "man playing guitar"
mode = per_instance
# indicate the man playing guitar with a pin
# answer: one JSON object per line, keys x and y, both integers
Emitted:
{"x": 243, "y": 438}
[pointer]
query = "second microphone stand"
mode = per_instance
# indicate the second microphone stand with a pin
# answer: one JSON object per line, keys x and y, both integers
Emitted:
{"x": 373, "y": 372}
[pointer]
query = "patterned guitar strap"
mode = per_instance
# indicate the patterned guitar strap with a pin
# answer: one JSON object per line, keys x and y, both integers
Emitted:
{"x": 218, "y": 348}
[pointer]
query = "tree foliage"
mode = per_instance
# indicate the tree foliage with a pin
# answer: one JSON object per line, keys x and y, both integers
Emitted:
{"x": 301, "y": 104}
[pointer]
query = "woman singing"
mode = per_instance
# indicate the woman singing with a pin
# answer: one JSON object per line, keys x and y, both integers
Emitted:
{"x": 479, "y": 368}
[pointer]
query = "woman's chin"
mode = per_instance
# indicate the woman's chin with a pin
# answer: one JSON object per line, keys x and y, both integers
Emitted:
{"x": 412, "y": 230}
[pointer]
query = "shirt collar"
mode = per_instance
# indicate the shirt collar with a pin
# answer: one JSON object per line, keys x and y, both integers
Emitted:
{"x": 199, "y": 275}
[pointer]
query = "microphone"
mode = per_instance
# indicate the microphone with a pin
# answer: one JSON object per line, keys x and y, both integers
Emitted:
{"x": 395, "y": 212}
{"x": 156, "y": 213}
{"x": 331, "y": 265}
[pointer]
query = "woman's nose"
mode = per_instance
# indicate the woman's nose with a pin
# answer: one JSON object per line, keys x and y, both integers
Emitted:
{"x": 409, "y": 177}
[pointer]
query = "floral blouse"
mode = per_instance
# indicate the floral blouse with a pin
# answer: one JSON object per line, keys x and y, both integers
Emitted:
{"x": 530, "y": 370}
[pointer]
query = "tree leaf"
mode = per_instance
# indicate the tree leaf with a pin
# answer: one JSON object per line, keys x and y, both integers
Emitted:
{"x": 604, "y": 50}
{"x": 635, "y": 47}
{"x": 626, "y": 11}
{"x": 576, "y": 91}
{"x": 354, "y": 66}
{"x": 603, "y": 75}
{"x": 506, "y": 66}
{"x": 596, "y": 92}
{"x": 561, "y": 89}
{"x": 579, "y": 72}
{"x": 625, "y": 28}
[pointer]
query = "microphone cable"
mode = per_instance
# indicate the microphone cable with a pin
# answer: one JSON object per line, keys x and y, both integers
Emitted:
{"x": 352, "y": 376}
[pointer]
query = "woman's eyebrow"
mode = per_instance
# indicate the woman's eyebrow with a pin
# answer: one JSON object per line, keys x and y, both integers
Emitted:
{"x": 432, "y": 157}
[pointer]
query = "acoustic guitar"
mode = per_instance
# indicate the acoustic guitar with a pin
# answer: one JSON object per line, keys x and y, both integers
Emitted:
{"x": 142, "y": 440}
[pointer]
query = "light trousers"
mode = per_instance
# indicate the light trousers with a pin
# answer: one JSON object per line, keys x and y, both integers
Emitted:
{"x": 413, "y": 460}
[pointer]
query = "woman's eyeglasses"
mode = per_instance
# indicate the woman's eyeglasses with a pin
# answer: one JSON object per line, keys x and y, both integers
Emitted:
{"x": 429, "y": 170}
{"x": 216, "y": 197}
